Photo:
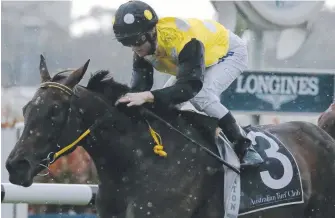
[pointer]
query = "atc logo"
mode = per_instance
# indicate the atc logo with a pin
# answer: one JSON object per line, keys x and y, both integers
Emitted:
{"x": 276, "y": 100}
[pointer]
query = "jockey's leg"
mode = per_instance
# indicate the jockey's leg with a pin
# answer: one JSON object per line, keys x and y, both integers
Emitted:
{"x": 242, "y": 145}
{"x": 216, "y": 80}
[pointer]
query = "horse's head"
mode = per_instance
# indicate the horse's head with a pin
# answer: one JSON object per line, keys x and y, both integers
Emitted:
{"x": 47, "y": 117}
{"x": 326, "y": 120}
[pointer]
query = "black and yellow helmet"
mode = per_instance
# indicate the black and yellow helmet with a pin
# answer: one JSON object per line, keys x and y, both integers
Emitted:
{"x": 132, "y": 20}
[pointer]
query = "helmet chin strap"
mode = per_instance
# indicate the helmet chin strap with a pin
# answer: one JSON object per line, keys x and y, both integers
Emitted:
{"x": 152, "y": 39}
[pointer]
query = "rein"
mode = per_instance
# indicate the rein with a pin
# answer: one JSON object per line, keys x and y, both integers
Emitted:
{"x": 158, "y": 148}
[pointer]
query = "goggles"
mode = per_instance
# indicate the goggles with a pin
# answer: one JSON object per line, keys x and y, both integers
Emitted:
{"x": 135, "y": 40}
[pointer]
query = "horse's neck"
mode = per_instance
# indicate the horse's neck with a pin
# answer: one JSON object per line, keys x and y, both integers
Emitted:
{"x": 109, "y": 145}
{"x": 114, "y": 151}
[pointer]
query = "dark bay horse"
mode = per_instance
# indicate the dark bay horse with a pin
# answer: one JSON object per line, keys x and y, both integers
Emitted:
{"x": 134, "y": 181}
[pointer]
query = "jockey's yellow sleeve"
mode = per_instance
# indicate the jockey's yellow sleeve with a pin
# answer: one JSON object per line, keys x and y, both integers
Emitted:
{"x": 174, "y": 33}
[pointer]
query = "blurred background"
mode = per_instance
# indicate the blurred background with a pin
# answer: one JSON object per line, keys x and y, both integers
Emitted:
{"x": 282, "y": 36}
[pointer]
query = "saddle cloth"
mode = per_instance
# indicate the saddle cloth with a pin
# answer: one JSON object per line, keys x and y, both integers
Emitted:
{"x": 276, "y": 183}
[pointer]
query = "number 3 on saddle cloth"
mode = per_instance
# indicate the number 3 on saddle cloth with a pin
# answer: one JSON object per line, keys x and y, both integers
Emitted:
{"x": 275, "y": 183}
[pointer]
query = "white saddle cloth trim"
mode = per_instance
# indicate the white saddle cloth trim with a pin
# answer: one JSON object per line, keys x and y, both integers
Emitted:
{"x": 232, "y": 180}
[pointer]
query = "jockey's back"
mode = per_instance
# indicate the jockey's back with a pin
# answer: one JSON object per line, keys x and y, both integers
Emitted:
{"x": 173, "y": 33}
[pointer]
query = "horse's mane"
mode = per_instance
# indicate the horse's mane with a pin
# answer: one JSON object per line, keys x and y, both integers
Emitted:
{"x": 103, "y": 77}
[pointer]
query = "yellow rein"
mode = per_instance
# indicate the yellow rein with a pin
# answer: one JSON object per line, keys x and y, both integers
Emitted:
{"x": 158, "y": 148}
{"x": 68, "y": 147}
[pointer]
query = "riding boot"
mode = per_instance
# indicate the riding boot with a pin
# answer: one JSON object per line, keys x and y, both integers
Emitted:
{"x": 242, "y": 146}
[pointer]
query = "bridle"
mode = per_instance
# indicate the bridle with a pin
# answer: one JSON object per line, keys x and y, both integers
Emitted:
{"x": 52, "y": 156}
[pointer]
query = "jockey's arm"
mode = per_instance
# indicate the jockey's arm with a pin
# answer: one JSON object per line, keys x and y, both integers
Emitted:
{"x": 189, "y": 77}
{"x": 142, "y": 77}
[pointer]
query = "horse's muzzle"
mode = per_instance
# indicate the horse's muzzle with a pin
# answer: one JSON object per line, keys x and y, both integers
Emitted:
{"x": 20, "y": 172}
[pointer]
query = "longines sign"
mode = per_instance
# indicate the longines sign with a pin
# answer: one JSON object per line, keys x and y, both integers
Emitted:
{"x": 278, "y": 91}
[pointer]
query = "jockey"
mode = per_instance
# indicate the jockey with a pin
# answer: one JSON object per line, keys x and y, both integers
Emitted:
{"x": 204, "y": 56}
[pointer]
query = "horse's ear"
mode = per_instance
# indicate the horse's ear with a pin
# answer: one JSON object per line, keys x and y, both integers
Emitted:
{"x": 76, "y": 75}
{"x": 45, "y": 76}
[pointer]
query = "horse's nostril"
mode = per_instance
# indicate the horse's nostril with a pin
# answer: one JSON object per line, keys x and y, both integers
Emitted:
{"x": 22, "y": 163}
{"x": 18, "y": 165}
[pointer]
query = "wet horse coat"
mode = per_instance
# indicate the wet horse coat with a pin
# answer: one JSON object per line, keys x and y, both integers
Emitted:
{"x": 135, "y": 182}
